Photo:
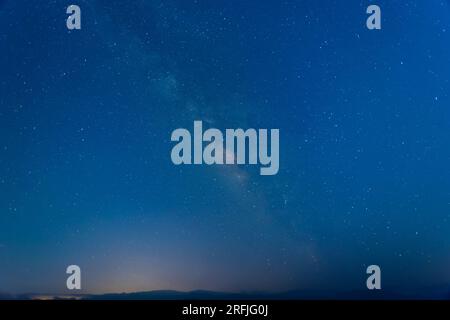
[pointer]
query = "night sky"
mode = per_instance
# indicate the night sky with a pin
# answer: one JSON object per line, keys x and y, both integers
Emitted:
{"x": 86, "y": 118}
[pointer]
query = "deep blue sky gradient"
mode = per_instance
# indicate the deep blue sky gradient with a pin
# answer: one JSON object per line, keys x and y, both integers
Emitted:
{"x": 85, "y": 123}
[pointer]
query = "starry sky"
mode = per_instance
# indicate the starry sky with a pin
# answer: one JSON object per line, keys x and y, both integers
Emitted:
{"x": 86, "y": 117}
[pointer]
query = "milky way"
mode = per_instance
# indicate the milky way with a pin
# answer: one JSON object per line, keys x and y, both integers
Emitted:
{"x": 86, "y": 116}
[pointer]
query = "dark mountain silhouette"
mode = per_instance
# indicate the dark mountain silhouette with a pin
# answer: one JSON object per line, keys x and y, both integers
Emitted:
{"x": 290, "y": 295}
{"x": 434, "y": 293}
